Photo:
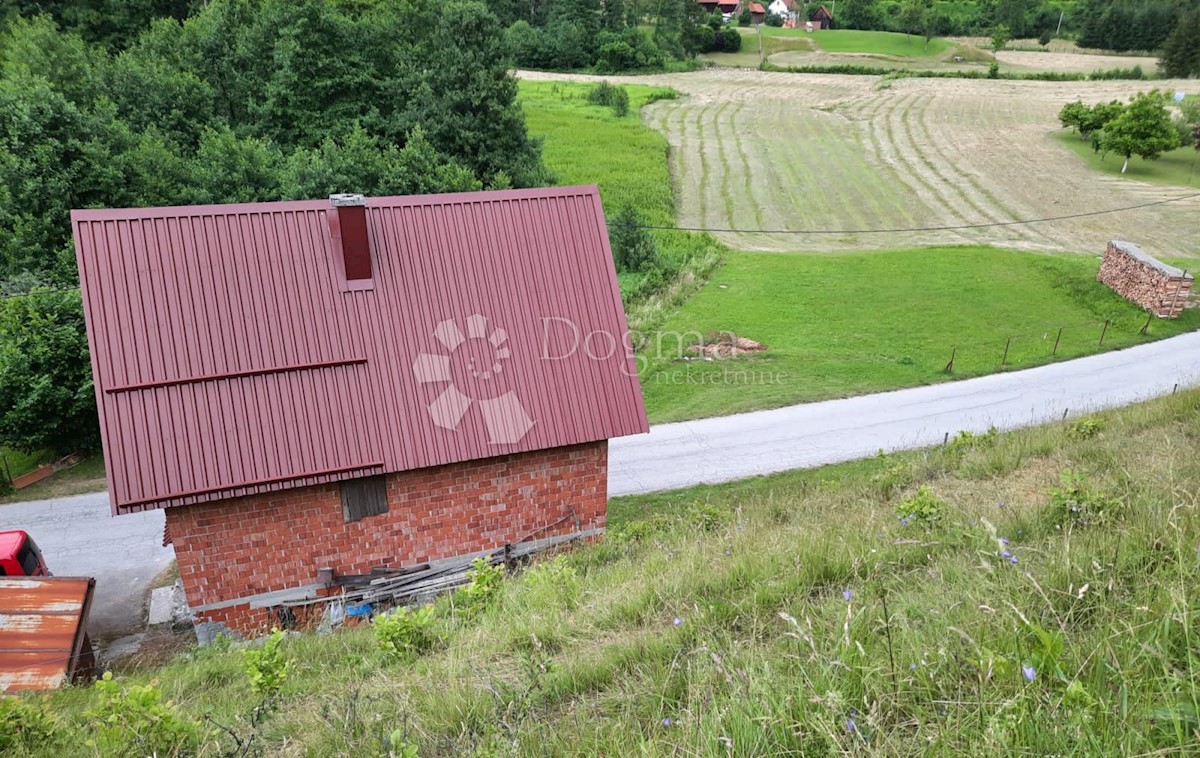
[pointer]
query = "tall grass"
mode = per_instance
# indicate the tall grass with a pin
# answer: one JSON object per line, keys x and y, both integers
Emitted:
{"x": 799, "y": 615}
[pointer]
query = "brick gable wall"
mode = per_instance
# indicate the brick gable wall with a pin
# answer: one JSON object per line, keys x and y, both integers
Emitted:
{"x": 241, "y": 547}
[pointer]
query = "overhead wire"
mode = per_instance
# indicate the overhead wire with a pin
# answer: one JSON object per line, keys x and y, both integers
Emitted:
{"x": 887, "y": 230}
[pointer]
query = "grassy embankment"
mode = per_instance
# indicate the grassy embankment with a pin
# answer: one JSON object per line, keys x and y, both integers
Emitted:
{"x": 1180, "y": 167}
{"x": 838, "y": 325}
{"x": 798, "y": 614}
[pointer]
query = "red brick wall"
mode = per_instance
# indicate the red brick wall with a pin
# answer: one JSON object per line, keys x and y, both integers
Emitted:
{"x": 262, "y": 543}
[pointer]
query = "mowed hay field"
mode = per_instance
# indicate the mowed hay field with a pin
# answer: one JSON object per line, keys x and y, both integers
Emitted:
{"x": 851, "y": 154}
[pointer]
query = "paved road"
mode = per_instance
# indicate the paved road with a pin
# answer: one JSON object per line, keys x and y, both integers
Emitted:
{"x": 78, "y": 537}
{"x": 801, "y": 436}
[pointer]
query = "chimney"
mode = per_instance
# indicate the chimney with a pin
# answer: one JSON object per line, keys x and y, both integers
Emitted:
{"x": 350, "y": 234}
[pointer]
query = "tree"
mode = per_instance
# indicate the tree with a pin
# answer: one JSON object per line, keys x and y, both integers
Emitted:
{"x": 1000, "y": 37}
{"x": 1181, "y": 51}
{"x": 46, "y": 395}
{"x": 1143, "y": 129}
{"x": 1088, "y": 120}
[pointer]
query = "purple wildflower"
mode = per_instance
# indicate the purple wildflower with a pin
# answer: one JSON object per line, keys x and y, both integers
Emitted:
{"x": 1001, "y": 503}
{"x": 1029, "y": 673}
{"x": 1005, "y": 554}
{"x": 678, "y": 621}
{"x": 847, "y": 594}
{"x": 1012, "y": 559}
{"x": 851, "y": 726}
{"x": 666, "y": 722}
{"x": 1004, "y": 540}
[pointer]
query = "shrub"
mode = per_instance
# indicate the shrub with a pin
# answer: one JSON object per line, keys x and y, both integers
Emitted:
{"x": 774, "y": 20}
{"x": 968, "y": 440}
{"x": 476, "y": 596}
{"x": 557, "y": 578}
{"x": 1077, "y": 503}
{"x": 406, "y": 633}
{"x": 613, "y": 96}
{"x": 266, "y": 666}
{"x": 1085, "y": 428}
{"x": 24, "y": 727}
{"x": 994, "y": 70}
{"x": 924, "y": 508}
{"x": 136, "y": 721}
{"x": 634, "y": 249}
{"x": 745, "y": 18}
{"x": 731, "y": 41}
{"x": 626, "y": 50}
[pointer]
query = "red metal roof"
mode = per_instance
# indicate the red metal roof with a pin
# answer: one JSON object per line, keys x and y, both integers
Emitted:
{"x": 232, "y": 356}
{"x": 43, "y": 629}
{"x": 756, "y": 8}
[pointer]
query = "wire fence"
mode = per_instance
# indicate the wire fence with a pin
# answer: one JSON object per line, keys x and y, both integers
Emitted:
{"x": 1041, "y": 344}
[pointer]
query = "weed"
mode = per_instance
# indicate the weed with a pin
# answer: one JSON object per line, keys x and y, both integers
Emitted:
{"x": 1085, "y": 428}
{"x": 25, "y": 727}
{"x": 136, "y": 721}
{"x": 405, "y": 633}
{"x": 266, "y": 666}
{"x": 1078, "y": 503}
{"x": 924, "y": 508}
{"x": 556, "y": 580}
{"x": 479, "y": 594}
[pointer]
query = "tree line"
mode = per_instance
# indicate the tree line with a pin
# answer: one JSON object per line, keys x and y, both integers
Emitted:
{"x": 1120, "y": 25}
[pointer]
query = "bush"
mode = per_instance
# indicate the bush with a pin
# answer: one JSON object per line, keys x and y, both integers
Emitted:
{"x": 613, "y": 96}
{"x": 924, "y": 508}
{"x": 774, "y": 20}
{"x": 406, "y": 633}
{"x": 135, "y": 721}
{"x": 477, "y": 596}
{"x": 1085, "y": 428}
{"x": 1077, "y": 503}
{"x": 266, "y": 666}
{"x": 634, "y": 250}
{"x": 745, "y": 18}
{"x": 556, "y": 579}
{"x": 730, "y": 40}
{"x": 24, "y": 727}
{"x": 625, "y": 51}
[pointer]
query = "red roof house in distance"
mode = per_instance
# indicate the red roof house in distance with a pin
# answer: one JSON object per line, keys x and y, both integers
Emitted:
{"x": 355, "y": 383}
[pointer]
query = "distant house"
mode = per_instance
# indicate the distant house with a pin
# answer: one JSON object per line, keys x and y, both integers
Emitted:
{"x": 821, "y": 18}
{"x": 758, "y": 14}
{"x": 724, "y": 7}
{"x": 321, "y": 388}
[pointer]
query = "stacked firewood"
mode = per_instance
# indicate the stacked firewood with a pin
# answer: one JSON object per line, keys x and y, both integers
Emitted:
{"x": 1144, "y": 280}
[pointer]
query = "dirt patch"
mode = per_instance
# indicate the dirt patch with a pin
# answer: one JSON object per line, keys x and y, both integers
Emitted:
{"x": 725, "y": 345}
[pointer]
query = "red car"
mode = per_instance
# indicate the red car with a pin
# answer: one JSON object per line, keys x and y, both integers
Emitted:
{"x": 19, "y": 555}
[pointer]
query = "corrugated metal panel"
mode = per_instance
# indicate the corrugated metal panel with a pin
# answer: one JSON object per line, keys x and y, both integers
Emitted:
{"x": 43, "y": 625}
{"x": 231, "y": 355}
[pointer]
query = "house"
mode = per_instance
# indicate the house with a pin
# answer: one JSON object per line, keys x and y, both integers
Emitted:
{"x": 758, "y": 14}
{"x": 724, "y": 7}
{"x": 821, "y": 18}
{"x": 354, "y": 383}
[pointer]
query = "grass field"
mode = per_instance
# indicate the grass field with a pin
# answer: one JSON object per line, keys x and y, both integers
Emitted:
{"x": 1179, "y": 167}
{"x": 876, "y": 43}
{"x": 857, "y": 323}
{"x": 590, "y": 144}
{"x": 793, "y": 615}
{"x": 757, "y": 150}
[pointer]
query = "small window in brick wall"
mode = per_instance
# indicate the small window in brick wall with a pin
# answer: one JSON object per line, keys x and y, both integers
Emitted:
{"x": 364, "y": 497}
